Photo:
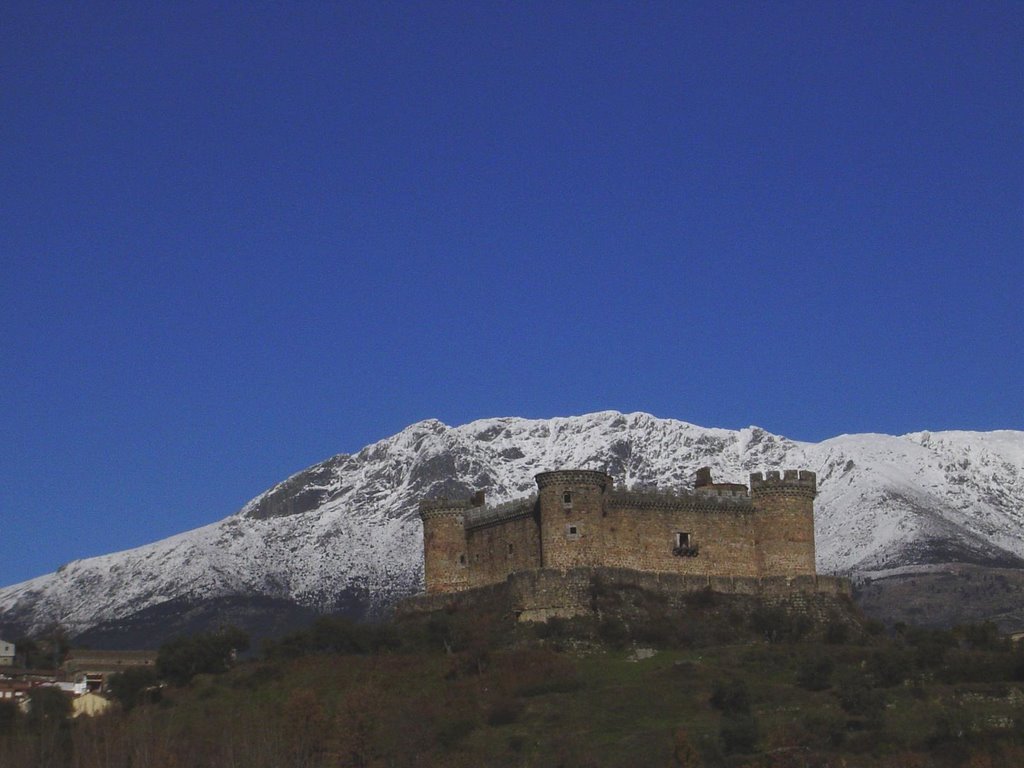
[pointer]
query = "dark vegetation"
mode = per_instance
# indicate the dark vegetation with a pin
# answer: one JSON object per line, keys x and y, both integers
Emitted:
{"x": 717, "y": 683}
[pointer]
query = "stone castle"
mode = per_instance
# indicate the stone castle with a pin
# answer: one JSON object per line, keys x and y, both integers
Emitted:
{"x": 542, "y": 556}
{"x": 579, "y": 520}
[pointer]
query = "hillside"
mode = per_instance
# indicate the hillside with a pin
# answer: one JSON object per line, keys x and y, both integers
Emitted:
{"x": 719, "y": 681}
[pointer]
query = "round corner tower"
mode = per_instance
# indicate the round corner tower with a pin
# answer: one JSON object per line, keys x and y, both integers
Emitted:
{"x": 784, "y": 520}
{"x": 444, "y": 545}
{"x": 571, "y": 504}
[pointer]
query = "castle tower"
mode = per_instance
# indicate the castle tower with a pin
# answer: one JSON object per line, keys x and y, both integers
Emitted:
{"x": 571, "y": 504}
{"x": 784, "y": 521}
{"x": 445, "y": 568}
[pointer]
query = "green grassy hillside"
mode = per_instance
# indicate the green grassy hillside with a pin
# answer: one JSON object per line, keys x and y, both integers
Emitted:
{"x": 719, "y": 684}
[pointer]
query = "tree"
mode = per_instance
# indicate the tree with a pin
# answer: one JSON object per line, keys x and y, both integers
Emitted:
{"x": 48, "y": 705}
{"x": 179, "y": 660}
{"x": 133, "y": 686}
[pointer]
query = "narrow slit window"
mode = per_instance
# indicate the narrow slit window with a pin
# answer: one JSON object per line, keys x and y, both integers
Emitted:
{"x": 510, "y": 549}
{"x": 462, "y": 559}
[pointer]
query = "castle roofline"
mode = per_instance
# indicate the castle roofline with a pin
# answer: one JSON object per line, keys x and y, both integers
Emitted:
{"x": 573, "y": 476}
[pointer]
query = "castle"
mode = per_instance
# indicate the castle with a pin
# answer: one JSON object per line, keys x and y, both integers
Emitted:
{"x": 579, "y": 520}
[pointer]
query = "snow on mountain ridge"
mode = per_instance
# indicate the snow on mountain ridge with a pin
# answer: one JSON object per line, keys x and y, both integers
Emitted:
{"x": 348, "y": 524}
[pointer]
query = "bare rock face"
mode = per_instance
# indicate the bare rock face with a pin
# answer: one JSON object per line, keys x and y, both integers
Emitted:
{"x": 344, "y": 535}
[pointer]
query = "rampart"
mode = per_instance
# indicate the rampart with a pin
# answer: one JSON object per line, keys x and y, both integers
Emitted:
{"x": 542, "y": 594}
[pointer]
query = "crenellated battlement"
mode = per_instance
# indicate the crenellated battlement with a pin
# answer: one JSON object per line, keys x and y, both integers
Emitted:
{"x": 789, "y": 481}
{"x": 716, "y": 498}
{"x": 481, "y": 516}
{"x": 574, "y": 477}
{"x": 431, "y": 508}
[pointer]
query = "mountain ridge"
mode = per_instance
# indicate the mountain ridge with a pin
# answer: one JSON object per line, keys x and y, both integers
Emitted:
{"x": 344, "y": 532}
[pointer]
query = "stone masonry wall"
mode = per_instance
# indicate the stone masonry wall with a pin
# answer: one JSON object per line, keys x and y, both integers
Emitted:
{"x": 541, "y": 594}
{"x": 644, "y": 539}
{"x": 497, "y": 550}
{"x": 445, "y": 565}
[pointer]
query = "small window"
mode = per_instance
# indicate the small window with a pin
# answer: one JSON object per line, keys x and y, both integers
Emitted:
{"x": 567, "y": 498}
{"x": 684, "y": 545}
{"x": 462, "y": 559}
{"x": 510, "y": 549}
{"x": 572, "y": 531}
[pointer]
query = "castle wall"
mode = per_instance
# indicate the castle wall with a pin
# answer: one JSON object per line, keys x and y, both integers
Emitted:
{"x": 545, "y": 594}
{"x": 499, "y": 549}
{"x": 541, "y": 594}
{"x": 579, "y": 521}
{"x": 644, "y": 538}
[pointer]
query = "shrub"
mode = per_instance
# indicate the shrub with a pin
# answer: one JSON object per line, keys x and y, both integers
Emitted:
{"x": 48, "y": 704}
{"x": 730, "y": 696}
{"x": 450, "y": 734}
{"x": 179, "y": 660}
{"x": 816, "y": 673}
{"x": 134, "y": 686}
{"x": 857, "y": 697}
{"x": 504, "y": 711}
{"x": 889, "y": 667}
{"x": 778, "y": 625}
{"x": 738, "y": 732}
{"x": 874, "y": 627}
{"x": 336, "y": 634}
{"x": 984, "y": 636}
{"x": 836, "y": 632}
{"x": 613, "y": 632}
{"x": 8, "y": 715}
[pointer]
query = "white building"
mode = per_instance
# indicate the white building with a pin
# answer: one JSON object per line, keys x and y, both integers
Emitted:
{"x": 6, "y": 653}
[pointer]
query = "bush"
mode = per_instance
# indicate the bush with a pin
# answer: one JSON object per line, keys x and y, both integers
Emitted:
{"x": 504, "y": 712}
{"x": 984, "y": 636}
{"x": 450, "y": 734}
{"x": 8, "y": 715}
{"x": 613, "y": 632}
{"x": 730, "y": 696}
{"x": 738, "y": 732}
{"x": 816, "y": 673}
{"x": 179, "y": 660}
{"x": 857, "y": 697}
{"x": 874, "y": 627}
{"x": 48, "y": 704}
{"x": 930, "y": 645}
{"x": 778, "y": 625}
{"x": 337, "y": 634}
{"x": 134, "y": 686}
{"x": 836, "y": 632}
{"x": 889, "y": 667}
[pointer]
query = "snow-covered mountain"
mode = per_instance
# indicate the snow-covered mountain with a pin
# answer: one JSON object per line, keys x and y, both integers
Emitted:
{"x": 344, "y": 533}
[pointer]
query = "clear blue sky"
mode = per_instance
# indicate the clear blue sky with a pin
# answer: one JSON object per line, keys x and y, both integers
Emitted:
{"x": 237, "y": 239}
